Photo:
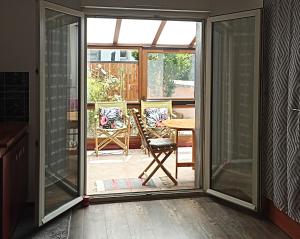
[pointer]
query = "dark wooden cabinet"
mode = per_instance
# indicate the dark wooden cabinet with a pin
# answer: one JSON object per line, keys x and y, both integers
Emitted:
{"x": 14, "y": 174}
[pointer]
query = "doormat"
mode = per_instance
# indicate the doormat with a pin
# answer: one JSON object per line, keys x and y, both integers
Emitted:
{"x": 123, "y": 183}
{"x": 56, "y": 229}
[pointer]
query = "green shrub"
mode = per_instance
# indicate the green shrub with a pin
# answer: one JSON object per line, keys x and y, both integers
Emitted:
{"x": 107, "y": 88}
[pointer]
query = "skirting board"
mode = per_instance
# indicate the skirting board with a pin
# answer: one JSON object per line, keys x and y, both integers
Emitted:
{"x": 288, "y": 225}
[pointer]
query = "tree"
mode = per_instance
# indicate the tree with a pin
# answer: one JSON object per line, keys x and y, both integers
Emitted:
{"x": 169, "y": 67}
{"x": 105, "y": 87}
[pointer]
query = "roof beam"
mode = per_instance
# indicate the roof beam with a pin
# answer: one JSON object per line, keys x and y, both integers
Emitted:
{"x": 117, "y": 31}
{"x": 192, "y": 42}
{"x": 159, "y": 31}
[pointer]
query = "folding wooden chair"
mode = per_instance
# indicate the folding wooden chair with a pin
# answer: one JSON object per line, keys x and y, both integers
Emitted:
{"x": 120, "y": 134}
{"x": 157, "y": 147}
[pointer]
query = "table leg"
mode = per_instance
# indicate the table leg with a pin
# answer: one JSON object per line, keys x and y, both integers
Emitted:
{"x": 96, "y": 144}
{"x": 193, "y": 149}
{"x": 176, "y": 166}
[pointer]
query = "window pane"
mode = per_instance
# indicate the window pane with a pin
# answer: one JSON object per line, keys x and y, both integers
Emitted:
{"x": 62, "y": 128}
{"x": 184, "y": 113}
{"x": 170, "y": 75}
{"x": 233, "y": 107}
{"x": 100, "y": 30}
{"x": 112, "y": 75}
{"x": 138, "y": 31}
{"x": 112, "y": 55}
{"x": 177, "y": 33}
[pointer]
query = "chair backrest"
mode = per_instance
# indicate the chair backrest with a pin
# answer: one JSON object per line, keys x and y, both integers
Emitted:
{"x": 156, "y": 104}
{"x": 118, "y": 104}
{"x": 141, "y": 127}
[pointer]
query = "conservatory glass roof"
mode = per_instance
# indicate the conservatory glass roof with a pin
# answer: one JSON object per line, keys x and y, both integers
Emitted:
{"x": 141, "y": 31}
{"x": 177, "y": 33}
{"x": 100, "y": 30}
{"x": 121, "y": 32}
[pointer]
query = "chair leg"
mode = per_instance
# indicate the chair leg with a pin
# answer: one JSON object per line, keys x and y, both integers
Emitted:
{"x": 143, "y": 149}
{"x": 176, "y": 163}
{"x": 96, "y": 145}
{"x": 176, "y": 155}
{"x": 168, "y": 174}
{"x": 150, "y": 175}
{"x": 146, "y": 169}
{"x": 160, "y": 165}
{"x": 126, "y": 144}
{"x": 146, "y": 151}
{"x": 155, "y": 169}
{"x": 150, "y": 164}
{"x": 128, "y": 141}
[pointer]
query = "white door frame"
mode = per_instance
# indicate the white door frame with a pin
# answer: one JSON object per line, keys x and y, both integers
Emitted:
{"x": 41, "y": 217}
{"x": 207, "y": 102}
{"x": 199, "y": 18}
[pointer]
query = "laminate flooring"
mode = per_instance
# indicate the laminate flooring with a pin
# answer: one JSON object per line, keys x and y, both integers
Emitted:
{"x": 186, "y": 218}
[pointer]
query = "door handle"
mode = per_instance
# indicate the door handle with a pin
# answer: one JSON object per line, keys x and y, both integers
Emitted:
{"x": 298, "y": 110}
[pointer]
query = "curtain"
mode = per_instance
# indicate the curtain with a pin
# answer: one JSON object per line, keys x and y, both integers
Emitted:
{"x": 281, "y": 95}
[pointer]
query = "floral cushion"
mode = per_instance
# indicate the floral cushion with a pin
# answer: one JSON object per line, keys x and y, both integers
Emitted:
{"x": 154, "y": 116}
{"x": 110, "y": 118}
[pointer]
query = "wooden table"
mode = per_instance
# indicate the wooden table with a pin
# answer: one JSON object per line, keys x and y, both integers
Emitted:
{"x": 182, "y": 125}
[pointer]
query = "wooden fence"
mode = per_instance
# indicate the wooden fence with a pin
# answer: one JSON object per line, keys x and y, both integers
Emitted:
{"x": 129, "y": 72}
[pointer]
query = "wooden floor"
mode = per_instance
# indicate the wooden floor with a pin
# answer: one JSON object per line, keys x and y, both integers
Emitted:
{"x": 162, "y": 219}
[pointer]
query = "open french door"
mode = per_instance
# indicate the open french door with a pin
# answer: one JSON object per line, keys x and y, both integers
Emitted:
{"x": 232, "y": 108}
{"x": 61, "y": 165}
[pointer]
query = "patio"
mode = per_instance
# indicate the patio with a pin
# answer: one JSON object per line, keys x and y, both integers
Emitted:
{"x": 114, "y": 172}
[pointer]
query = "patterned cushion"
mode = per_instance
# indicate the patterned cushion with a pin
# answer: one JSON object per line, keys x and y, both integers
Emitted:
{"x": 154, "y": 116}
{"x": 110, "y": 118}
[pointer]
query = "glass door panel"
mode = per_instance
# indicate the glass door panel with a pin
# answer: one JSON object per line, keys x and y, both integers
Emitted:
{"x": 62, "y": 125}
{"x": 234, "y": 107}
{"x": 60, "y": 111}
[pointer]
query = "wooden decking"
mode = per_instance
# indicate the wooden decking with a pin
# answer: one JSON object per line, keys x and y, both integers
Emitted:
{"x": 174, "y": 218}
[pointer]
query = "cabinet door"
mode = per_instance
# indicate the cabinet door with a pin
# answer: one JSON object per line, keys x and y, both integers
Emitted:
{"x": 15, "y": 177}
{"x": 22, "y": 170}
{"x": 9, "y": 187}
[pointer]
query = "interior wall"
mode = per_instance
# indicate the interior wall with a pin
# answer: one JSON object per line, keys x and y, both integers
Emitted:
{"x": 19, "y": 46}
{"x": 75, "y": 4}
{"x": 195, "y": 5}
{"x": 216, "y": 7}
{"x": 281, "y": 85}
{"x": 18, "y": 54}
{"x": 17, "y": 29}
